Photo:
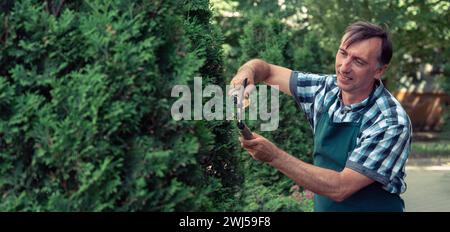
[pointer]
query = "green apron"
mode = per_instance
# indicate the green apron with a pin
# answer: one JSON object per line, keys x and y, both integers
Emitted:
{"x": 333, "y": 142}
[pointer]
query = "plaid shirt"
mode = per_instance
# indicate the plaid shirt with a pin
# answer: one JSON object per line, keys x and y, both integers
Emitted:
{"x": 384, "y": 140}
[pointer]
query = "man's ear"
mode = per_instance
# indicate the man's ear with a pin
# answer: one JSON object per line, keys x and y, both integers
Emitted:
{"x": 380, "y": 71}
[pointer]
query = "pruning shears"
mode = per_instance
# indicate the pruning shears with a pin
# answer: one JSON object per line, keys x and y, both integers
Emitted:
{"x": 238, "y": 98}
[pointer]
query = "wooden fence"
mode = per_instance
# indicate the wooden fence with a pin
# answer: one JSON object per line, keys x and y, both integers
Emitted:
{"x": 426, "y": 110}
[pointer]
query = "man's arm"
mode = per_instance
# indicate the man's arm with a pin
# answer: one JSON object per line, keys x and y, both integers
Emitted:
{"x": 335, "y": 185}
{"x": 258, "y": 70}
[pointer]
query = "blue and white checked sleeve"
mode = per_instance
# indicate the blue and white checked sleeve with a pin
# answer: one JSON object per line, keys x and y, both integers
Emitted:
{"x": 381, "y": 154}
{"x": 306, "y": 88}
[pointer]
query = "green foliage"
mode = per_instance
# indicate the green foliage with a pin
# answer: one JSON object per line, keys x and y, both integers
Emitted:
{"x": 264, "y": 38}
{"x": 85, "y": 107}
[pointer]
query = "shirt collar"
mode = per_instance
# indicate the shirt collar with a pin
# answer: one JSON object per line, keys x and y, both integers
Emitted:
{"x": 358, "y": 106}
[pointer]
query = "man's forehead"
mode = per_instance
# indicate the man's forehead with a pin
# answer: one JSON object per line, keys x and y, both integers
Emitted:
{"x": 365, "y": 46}
{"x": 374, "y": 40}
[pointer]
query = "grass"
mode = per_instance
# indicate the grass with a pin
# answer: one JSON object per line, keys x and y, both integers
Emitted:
{"x": 427, "y": 149}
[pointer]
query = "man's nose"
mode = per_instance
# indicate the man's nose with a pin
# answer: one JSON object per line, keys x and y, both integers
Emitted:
{"x": 346, "y": 66}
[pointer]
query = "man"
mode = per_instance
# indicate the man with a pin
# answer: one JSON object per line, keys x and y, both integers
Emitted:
{"x": 361, "y": 133}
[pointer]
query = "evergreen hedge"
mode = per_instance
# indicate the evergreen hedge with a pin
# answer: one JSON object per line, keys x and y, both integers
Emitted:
{"x": 85, "y": 101}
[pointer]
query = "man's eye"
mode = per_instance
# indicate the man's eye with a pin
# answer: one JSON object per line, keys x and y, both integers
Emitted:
{"x": 343, "y": 53}
{"x": 359, "y": 63}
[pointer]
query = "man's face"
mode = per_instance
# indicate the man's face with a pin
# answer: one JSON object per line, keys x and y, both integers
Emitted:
{"x": 357, "y": 67}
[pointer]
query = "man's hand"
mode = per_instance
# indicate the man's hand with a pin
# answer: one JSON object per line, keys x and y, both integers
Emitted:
{"x": 246, "y": 71}
{"x": 260, "y": 148}
{"x": 257, "y": 71}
